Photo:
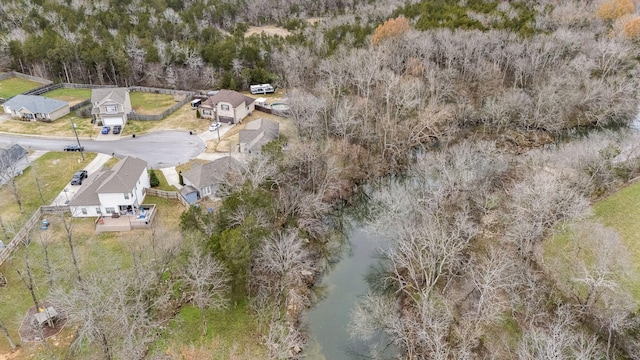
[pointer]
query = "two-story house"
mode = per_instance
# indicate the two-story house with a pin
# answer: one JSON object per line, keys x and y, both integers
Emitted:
{"x": 119, "y": 190}
{"x": 227, "y": 106}
{"x": 111, "y": 106}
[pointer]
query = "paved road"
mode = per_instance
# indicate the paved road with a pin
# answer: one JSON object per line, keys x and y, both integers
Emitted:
{"x": 160, "y": 149}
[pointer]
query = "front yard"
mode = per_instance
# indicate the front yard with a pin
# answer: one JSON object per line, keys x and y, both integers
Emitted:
{"x": 60, "y": 127}
{"x": 14, "y": 86}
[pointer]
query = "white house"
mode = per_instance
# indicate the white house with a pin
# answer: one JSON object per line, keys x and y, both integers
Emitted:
{"x": 120, "y": 190}
{"x": 227, "y": 106}
{"x": 111, "y": 106}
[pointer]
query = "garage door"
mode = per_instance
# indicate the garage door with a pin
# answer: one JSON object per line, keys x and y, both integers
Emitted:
{"x": 111, "y": 121}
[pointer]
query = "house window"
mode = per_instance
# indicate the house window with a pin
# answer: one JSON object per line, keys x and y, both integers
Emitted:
{"x": 110, "y": 210}
{"x": 98, "y": 211}
{"x": 224, "y": 107}
{"x": 144, "y": 191}
{"x": 206, "y": 190}
{"x": 84, "y": 211}
{"x": 126, "y": 196}
{"x": 206, "y": 112}
{"x": 110, "y": 108}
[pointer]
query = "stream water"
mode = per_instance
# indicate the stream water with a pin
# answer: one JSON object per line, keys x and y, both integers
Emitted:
{"x": 328, "y": 320}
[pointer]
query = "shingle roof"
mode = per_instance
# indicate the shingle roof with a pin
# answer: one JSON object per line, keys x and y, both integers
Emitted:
{"x": 125, "y": 175}
{"x": 120, "y": 179}
{"x": 229, "y": 96}
{"x": 270, "y": 130}
{"x": 88, "y": 194}
{"x": 201, "y": 175}
{"x": 35, "y": 104}
{"x": 116, "y": 94}
{"x": 11, "y": 155}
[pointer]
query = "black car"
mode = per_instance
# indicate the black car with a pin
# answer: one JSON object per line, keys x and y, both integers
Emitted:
{"x": 117, "y": 129}
{"x": 73, "y": 148}
{"x": 78, "y": 177}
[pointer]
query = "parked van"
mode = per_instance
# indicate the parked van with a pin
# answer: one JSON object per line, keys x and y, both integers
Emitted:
{"x": 261, "y": 89}
{"x": 196, "y": 103}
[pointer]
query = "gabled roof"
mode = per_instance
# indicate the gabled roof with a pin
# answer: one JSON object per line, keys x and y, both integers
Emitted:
{"x": 229, "y": 96}
{"x": 268, "y": 130}
{"x": 125, "y": 175}
{"x": 35, "y": 104}
{"x": 214, "y": 172}
{"x": 118, "y": 95}
{"x": 11, "y": 155}
{"x": 120, "y": 179}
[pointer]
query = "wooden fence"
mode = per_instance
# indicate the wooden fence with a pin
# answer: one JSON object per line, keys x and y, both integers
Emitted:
{"x": 168, "y": 195}
{"x": 21, "y": 237}
{"x": 12, "y": 74}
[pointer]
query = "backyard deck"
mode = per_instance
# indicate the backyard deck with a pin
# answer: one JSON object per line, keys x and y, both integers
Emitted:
{"x": 142, "y": 219}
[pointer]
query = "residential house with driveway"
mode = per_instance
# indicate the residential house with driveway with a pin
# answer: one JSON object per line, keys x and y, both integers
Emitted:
{"x": 205, "y": 179}
{"x": 111, "y": 106}
{"x": 256, "y": 134}
{"x": 119, "y": 190}
{"x": 227, "y": 106}
{"x": 35, "y": 108}
{"x": 13, "y": 160}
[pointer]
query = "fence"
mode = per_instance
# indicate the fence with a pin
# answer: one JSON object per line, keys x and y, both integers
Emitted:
{"x": 168, "y": 195}
{"x": 164, "y": 114}
{"x": 21, "y": 236}
{"x": 12, "y": 74}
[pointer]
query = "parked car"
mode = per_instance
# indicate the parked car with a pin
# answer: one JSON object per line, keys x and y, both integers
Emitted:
{"x": 117, "y": 129}
{"x": 73, "y": 148}
{"x": 214, "y": 126}
{"x": 78, "y": 177}
{"x": 105, "y": 130}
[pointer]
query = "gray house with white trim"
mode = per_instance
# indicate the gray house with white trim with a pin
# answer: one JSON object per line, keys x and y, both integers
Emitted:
{"x": 257, "y": 133}
{"x": 111, "y": 106}
{"x": 206, "y": 178}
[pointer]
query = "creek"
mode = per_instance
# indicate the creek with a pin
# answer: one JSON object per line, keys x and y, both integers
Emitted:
{"x": 341, "y": 287}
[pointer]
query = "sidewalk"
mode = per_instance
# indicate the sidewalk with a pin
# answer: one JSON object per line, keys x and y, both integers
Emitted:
{"x": 69, "y": 191}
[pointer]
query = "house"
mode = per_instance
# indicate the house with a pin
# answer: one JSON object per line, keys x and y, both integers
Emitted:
{"x": 119, "y": 190}
{"x": 257, "y": 133}
{"x": 206, "y": 178}
{"x": 13, "y": 161}
{"x": 111, "y": 106}
{"x": 35, "y": 108}
{"x": 227, "y": 106}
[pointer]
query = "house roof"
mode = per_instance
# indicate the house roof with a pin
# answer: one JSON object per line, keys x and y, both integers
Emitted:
{"x": 35, "y": 104}
{"x": 214, "y": 172}
{"x": 270, "y": 130}
{"x": 11, "y": 155}
{"x": 118, "y": 95}
{"x": 120, "y": 179}
{"x": 125, "y": 175}
{"x": 229, "y": 96}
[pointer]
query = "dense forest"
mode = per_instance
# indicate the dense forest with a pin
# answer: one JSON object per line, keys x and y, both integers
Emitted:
{"x": 482, "y": 128}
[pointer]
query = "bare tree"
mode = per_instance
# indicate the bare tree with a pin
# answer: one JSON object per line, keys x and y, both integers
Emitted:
{"x": 27, "y": 279}
{"x": 68, "y": 228}
{"x": 9, "y": 170}
{"x": 206, "y": 282}
{"x": 6, "y": 334}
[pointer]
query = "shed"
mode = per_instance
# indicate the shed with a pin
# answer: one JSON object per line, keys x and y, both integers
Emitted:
{"x": 189, "y": 194}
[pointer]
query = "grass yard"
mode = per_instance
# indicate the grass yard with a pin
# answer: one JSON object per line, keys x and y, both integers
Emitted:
{"x": 53, "y": 171}
{"x": 60, "y": 127}
{"x": 619, "y": 212}
{"x": 70, "y": 95}
{"x": 14, "y": 86}
{"x": 182, "y": 119}
{"x": 164, "y": 185}
{"x": 231, "y": 334}
{"x": 150, "y": 104}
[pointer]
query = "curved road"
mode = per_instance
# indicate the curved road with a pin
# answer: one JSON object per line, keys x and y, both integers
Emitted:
{"x": 160, "y": 149}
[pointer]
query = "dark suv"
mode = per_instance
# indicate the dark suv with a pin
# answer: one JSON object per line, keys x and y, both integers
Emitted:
{"x": 117, "y": 129}
{"x": 73, "y": 148}
{"x": 78, "y": 177}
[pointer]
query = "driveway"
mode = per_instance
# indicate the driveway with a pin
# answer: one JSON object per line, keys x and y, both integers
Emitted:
{"x": 69, "y": 190}
{"x": 160, "y": 149}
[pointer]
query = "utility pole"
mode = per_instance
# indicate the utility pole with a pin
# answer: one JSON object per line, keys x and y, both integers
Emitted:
{"x": 77, "y": 139}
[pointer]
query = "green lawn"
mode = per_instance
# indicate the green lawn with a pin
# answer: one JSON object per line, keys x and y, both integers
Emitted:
{"x": 620, "y": 212}
{"x": 14, "y": 86}
{"x": 231, "y": 334}
{"x": 150, "y": 104}
{"x": 60, "y": 127}
{"x": 70, "y": 95}
{"x": 164, "y": 185}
